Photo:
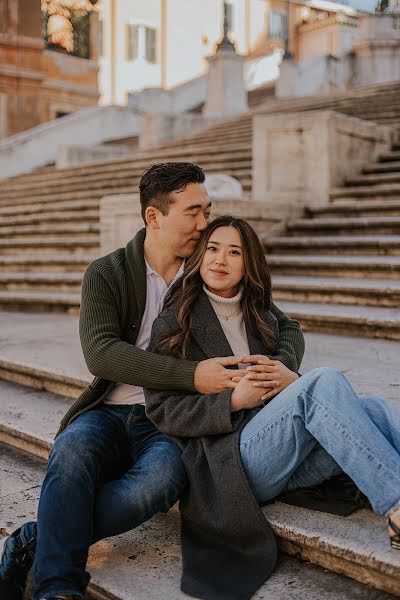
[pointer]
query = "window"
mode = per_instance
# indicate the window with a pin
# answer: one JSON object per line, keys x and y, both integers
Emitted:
{"x": 141, "y": 42}
{"x": 277, "y": 27}
{"x": 151, "y": 45}
{"x": 132, "y": 42}
{"x": 229, "y": 16}
{"x": 3, "y": 16}
{"x": 100, "y": 39}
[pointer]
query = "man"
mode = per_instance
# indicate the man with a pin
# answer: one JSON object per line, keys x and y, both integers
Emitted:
{"x": 110, "y": 469}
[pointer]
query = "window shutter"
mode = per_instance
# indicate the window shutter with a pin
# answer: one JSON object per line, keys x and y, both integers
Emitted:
{"x": 151, "y": 45}
{"x": 132, "y": 42}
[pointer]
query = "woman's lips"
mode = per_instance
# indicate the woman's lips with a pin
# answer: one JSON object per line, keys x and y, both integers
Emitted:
{"x": 218, "y": 273}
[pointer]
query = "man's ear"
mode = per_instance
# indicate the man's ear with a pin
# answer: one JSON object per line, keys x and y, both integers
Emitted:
{"x": 151, "y": 215}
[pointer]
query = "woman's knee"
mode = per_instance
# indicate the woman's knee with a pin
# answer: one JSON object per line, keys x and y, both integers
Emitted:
{"x": 328, "y": 377}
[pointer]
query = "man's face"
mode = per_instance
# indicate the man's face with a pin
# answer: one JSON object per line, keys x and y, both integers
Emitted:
{"x": 188, "y": 215}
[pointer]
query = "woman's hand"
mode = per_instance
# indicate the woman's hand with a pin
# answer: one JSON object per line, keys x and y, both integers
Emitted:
{"x": 246, "y": 395}
{"x": 270, "y": 375}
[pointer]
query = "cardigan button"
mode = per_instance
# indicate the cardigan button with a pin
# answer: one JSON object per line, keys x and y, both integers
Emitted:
{"x": 133, "y": 326}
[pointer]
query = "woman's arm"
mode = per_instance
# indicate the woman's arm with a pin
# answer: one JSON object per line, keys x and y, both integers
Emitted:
{"x": 186, "y": 414}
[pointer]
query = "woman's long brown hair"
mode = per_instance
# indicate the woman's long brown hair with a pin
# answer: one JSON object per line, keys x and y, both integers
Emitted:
{"x": 256, "y": 286}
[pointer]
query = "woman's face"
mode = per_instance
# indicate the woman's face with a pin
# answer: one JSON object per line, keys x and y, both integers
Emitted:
{"x": 222, "y": 265}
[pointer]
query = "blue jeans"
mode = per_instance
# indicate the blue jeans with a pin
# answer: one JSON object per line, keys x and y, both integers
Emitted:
{"x": 318, "y": 427}
{"x": 108, "y": 472}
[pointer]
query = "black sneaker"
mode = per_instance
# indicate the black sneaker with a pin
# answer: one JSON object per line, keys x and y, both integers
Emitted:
{"x": 16, "y": 560}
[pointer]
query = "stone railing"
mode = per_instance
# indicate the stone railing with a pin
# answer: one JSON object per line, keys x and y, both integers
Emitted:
{"x": 182, "y": 98}
{"x": 38, "y": 146}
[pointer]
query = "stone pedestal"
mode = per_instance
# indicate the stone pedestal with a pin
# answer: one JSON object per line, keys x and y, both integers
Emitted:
{"x": 226, "y": 94}
{"x": 155, "y": 129}
{"x": 298, "y": 158}
{"x": 377, "y": 51}
{"x": 120, "y": 218}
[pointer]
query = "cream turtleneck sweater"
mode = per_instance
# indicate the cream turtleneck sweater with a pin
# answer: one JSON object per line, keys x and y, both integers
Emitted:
{"x": 230, "y": 315}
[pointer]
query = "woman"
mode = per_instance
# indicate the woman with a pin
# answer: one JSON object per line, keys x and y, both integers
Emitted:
{"x": 237, "y": 450}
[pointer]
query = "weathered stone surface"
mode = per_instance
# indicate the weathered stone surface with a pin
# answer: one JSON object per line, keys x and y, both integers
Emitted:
{"x": 223, "y": 187}
{"x": 146, "y": 562}
{"x": 321, "y": 148}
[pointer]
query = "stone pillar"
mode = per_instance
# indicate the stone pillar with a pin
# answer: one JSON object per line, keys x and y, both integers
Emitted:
{"x": 299, "y": 157}
{"x": 226, "y": 94}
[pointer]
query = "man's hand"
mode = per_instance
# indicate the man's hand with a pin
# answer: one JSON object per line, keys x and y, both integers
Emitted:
{"x": 270, "y": 375}
{"x": 211, "y": 377}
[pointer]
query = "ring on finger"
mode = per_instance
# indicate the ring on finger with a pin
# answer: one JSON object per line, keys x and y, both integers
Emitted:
{"x": 274, "y": 383}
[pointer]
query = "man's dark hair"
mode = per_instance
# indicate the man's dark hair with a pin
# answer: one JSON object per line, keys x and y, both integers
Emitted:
{"x": 161, "y": 179}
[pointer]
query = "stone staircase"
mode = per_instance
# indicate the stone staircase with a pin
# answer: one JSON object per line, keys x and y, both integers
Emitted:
{"x": 345, "y": 256}
{"x": 42, "y": 371}
{"x": 336, "y": 269}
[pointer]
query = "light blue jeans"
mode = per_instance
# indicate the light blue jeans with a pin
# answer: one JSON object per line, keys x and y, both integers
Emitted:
{"x": 318, "y": 427}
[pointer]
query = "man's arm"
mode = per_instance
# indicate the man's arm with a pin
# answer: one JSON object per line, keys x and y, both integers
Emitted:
{"x": 108, "y": 356}
{"x": 291, "y": 341}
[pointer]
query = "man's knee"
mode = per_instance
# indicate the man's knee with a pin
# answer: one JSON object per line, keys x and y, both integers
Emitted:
{"x": 72, "y": 453}
{"x": 168, "y": 476}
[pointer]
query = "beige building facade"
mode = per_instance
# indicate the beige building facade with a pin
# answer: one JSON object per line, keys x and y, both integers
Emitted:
{"x": 164, "y": 43}
{"x": 38, "y": 84}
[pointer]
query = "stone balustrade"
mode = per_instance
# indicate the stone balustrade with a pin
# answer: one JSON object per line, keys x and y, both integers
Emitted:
{"x": 38, "y": 146}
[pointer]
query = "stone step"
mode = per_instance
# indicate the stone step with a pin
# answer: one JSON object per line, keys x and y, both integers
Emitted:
{"x": 238, "y": 152}
{"x": 50, "y": 379}
{"x": 45, "y": 201}
{"x": 383, "y": 167}
{"x": 394, "y": 155}
{"x": 359, "y": 292}
{"x": 42, "y": 192}
{"x": 124, "y": 169}
{"x": 386, "y": 225}
{"x": 41, "y": 281}
{"x": 53, "y": 197}
{"x": 374, "y": 179}
{"x": 356, "y": 546}
{"x": 56, "y": 205}
{"x": 57, "y": 263}
{"x": 113, "y": 179}
{"x": 366, "y": 208}
{"x": 38, "y": 301}
{"x": 50, "y": 244}
{"x": 376, "y": 192}
{"x": 338, "y": 319}
{"x": 72, "y": 230}
{"x": 131, "y": 566}
{"x": 385, "y": 267}
{"x": 349, "y": 245}
{"x": 49, "y": 218}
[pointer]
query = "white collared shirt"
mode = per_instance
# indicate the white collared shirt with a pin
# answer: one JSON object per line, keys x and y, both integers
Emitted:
{"x": 157, "y": 289}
